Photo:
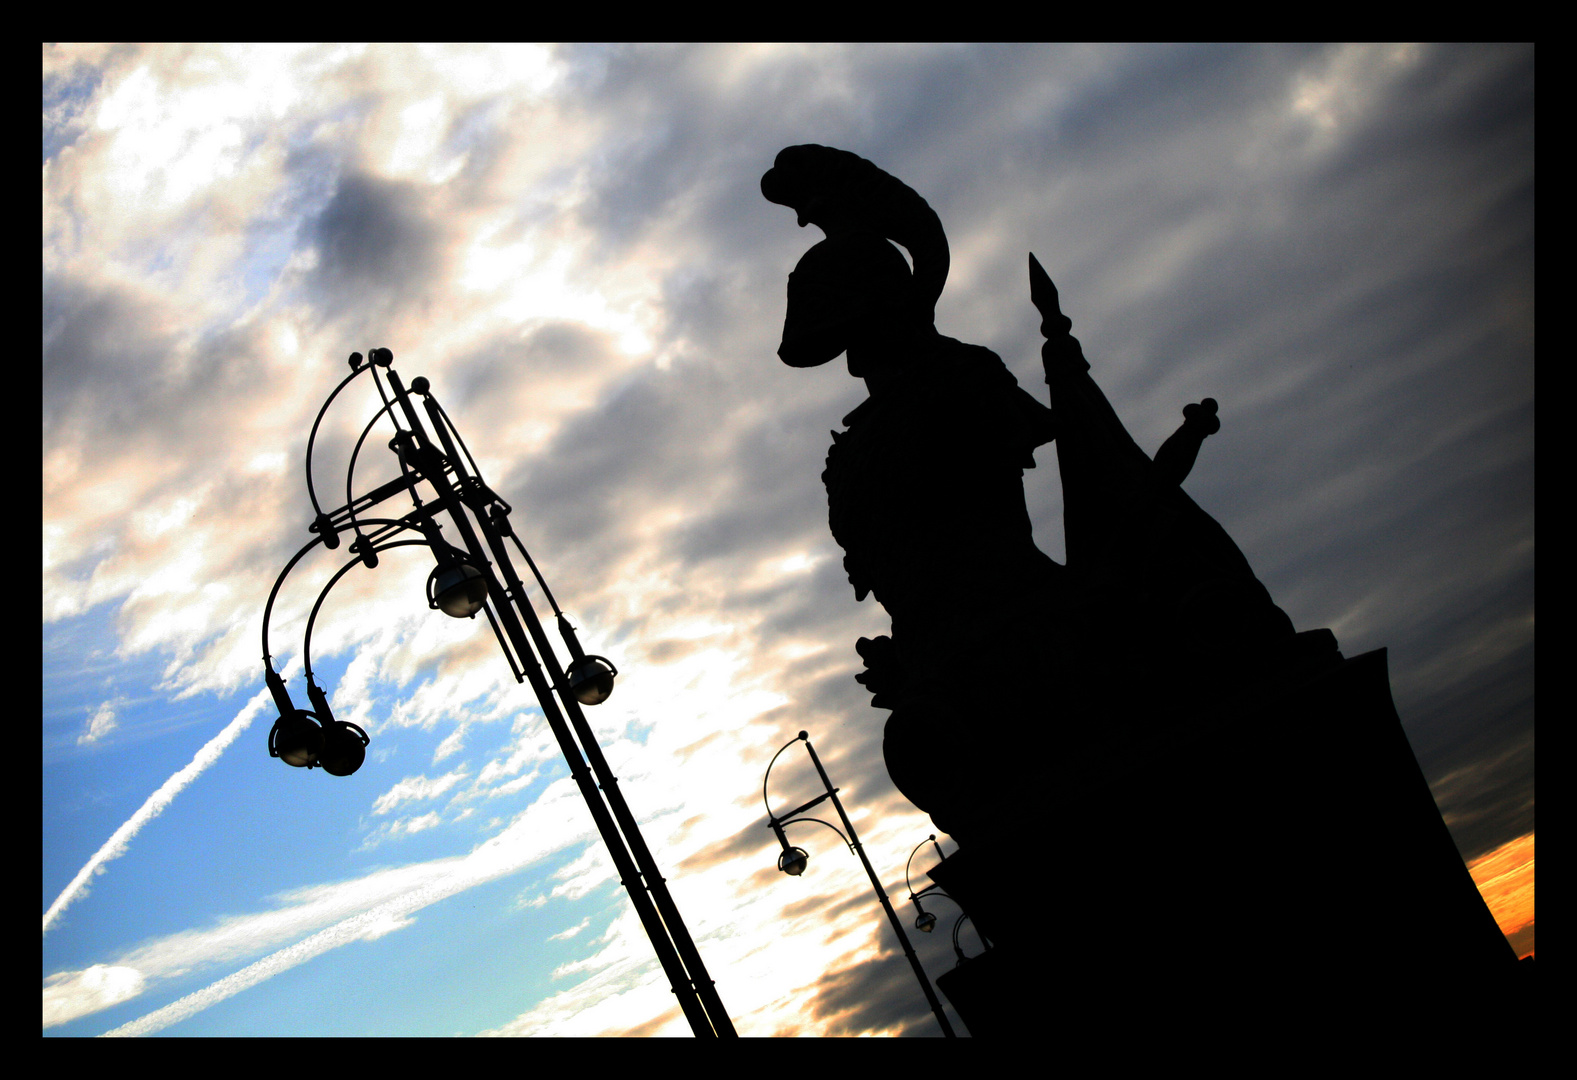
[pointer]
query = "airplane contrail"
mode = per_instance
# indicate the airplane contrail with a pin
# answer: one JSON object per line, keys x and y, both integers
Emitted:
{"x": 481, "y": 866}
{"x": 359, "y": 926}
{"x": 527, "y": 839}
{"x": 115, "y": 846}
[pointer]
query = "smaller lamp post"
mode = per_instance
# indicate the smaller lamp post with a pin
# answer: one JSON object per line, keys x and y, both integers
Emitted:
{"x": 925, "y": 921}
{"x": 793, "y": 861}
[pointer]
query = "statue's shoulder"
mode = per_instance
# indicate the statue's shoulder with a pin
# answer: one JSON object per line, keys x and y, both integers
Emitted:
{"x": 978, "y": 381}
{"x": 972, "y": 367}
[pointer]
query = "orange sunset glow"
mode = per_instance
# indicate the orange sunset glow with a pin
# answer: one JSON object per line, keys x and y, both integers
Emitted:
{"x": 1505, "y": 878}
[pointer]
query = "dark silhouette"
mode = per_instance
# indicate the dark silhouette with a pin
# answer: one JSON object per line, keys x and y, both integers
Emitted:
{"x": 1120, "y": 708}
{"x": 925, "y": 494}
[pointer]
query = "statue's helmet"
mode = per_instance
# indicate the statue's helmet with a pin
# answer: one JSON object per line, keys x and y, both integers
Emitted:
{"x": 844, "y": 286}
{"x": 845, "y": 195}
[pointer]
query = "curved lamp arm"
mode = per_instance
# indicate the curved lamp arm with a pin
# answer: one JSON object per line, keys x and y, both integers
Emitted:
{"x": 306, "y": 644}
{"x": 350, "y": 477}
{"x": 798, "y": 738}
{"x": 958, "y": 924}
{"x": 546, "y": 592}
{"x": 268, "y": 608}
{"x": 312, "y": 438}
{"x": 931, "y": 839}
{"x": 910, "y": 860}
{"x": 276, "y": 685}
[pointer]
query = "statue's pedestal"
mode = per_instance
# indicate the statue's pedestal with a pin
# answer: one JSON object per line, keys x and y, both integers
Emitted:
{"x": 1283, "y": 853}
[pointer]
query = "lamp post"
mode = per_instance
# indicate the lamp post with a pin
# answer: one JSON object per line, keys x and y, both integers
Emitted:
{"x": 924, "y": 920}
{"x": 474, "y": 577}
{"x": 793, "y": 861}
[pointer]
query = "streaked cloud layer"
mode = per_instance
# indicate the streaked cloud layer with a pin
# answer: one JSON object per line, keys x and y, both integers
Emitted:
{"x": 1334, "y": 242}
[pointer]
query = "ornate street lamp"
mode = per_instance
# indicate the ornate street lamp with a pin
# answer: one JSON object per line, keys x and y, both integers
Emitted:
{"x": 925, "y": 921}
{"x": 793, "y": 861}
{"x": 478, "y": 577}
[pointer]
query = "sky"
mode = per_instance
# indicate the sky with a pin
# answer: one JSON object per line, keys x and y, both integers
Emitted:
{"x": 570, "y": 243}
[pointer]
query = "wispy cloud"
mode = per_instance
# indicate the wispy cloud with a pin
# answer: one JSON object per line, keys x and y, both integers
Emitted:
{"x": 70, "y": 994}
{"x": 565, "y": 935}
{"x": 100, "y": 724}
{"x": 415, "y": 789}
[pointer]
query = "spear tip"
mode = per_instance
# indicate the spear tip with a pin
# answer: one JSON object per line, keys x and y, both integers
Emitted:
{"x": 1043, "y": 294}
{"x": 1041, "y": 291}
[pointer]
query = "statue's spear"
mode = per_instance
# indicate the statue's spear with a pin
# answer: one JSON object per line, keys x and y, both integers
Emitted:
{"x": 1061, "y": 347}
{"x": 1062, "y": 356}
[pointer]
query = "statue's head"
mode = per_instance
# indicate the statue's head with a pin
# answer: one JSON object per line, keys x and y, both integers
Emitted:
{"x": 854, "y": 285}
{"x": 845, "y": 288}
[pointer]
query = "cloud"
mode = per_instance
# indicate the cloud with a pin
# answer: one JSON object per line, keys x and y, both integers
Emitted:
{"x": 590, "y": 870}
{"x": 100, "y": 724}
{"x": 566, "y": 934}
{"x": 375, "y": 244}
{"x": 401, "y": 827}
{"x": 415, "y": 788}
{"x": 452, "y": 744}
{"x": 620, "y": 990}
{"x": 71, "y": 994}
{"x": 878, "y": 995}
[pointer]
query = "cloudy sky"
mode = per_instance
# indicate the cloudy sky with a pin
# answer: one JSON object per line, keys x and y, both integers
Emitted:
{"x": 1336, "y": 243}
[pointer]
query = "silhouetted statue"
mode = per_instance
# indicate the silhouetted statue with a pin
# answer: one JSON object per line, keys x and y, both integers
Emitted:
{"x": 993, "y": 644}
{"x": 1152, "y": 779}
{"x": 924, "y": 487}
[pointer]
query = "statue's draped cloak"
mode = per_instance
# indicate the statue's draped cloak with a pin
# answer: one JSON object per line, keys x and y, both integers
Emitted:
{"x": 1152, "y": 567}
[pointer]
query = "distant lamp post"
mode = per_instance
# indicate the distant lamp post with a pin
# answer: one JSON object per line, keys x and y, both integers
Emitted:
{"x": 475, "y": 577}
{"x": 793, "y": 861}
{"x": 925, "y": 921}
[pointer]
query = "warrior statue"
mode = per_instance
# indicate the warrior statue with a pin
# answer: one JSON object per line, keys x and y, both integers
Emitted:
{"x": 1113, "y": 712}
{"x": 998, "y": 655}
